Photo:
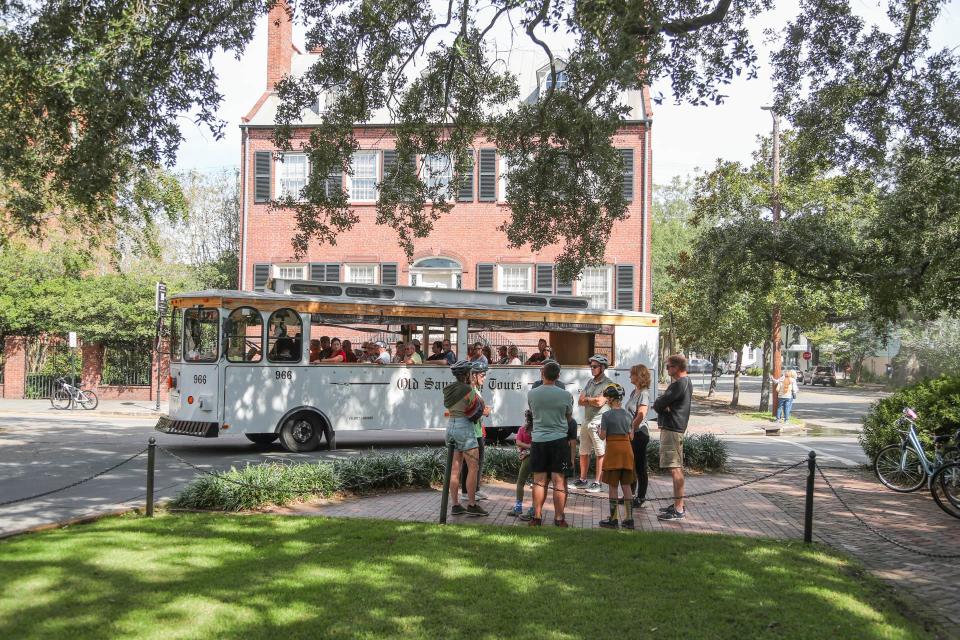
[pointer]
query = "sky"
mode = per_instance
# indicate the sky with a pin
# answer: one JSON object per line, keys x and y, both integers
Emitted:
{"x": 685, "y": 138}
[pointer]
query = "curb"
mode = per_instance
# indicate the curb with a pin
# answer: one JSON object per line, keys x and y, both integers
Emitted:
{"x": 57, "y": 412}
{"x": 87, "y": 519}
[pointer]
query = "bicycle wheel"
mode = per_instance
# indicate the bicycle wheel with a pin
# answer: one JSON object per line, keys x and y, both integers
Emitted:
{"x": 899, "y": 469}
{"x": 945, "y": 488}
{"x": 88, "y": 399}
{"x": 60, "y": 399}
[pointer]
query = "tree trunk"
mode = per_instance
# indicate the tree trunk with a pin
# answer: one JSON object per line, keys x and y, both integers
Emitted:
{"x": 765, "y": 382}
{"x": 714, "y": 373}
{"x": 736, "y": 379}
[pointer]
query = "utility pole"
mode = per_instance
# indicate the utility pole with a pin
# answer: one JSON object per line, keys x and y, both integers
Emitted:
{"x": 777, "y": 357}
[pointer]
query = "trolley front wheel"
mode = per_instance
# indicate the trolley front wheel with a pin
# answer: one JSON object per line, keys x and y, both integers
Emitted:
{"x": 899, "y": 468}
{"x": 301, "y": 433}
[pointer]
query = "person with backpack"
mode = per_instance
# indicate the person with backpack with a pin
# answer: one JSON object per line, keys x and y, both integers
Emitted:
{"x": 465, "y": 407}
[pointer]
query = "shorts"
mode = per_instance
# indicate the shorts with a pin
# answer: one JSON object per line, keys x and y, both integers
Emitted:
{"x": 461, "y": 434}
{"x": 590, "y": 439}
{"x": 614, "y": 477}
{"x": 671, "y": 449}
{"x": 552, "y": 456}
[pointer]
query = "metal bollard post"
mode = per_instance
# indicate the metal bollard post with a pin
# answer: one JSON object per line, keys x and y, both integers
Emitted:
{"x": 808, "y": 510}
{"x": 151, "y": 459}
{"x": 445, "y": 496}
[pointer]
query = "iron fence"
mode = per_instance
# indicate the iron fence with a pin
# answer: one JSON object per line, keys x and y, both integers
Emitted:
{"x": 127, "y": 365}
{"x": 47, "y": 360}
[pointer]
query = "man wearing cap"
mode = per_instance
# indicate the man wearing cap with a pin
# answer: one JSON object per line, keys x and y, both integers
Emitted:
{"x": 594, "y": 405}
{"x": 383, "y": 356}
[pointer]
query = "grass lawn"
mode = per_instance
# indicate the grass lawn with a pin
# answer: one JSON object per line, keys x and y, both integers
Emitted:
{"x": 256, "y": 576}
{"x": 766, "y": 416}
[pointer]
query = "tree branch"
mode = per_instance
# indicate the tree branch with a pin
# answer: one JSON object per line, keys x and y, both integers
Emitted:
{"x": 900, "y": 52}
{"x": 544, "y": 8}
{"x": 680, "y": 27}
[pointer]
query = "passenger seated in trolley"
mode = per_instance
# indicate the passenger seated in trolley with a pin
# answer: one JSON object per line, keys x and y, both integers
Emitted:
{"x": 337, "y": 356}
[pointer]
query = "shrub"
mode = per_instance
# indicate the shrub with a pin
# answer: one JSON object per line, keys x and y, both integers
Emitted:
{"x": 701, "y": 452}
{"x": 755, "y": 371}
{"x": 936, "y": 401}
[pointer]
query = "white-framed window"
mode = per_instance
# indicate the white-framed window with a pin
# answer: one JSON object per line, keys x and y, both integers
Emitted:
{"x": 596, "y": 283}
{"x": 516, "y": 277}
{"x": 292, "y": 175}
{"x": 502, "y": 180}
{"x": 362, "y": 185}
{"x": 562, "y": 80}
{"x": 290, "y": 271}
{"x": 360, "y": 273}
{"x": 438, "y": 172}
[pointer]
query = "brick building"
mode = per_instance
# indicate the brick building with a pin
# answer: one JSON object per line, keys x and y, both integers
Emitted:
{"x": 465, "y": 250}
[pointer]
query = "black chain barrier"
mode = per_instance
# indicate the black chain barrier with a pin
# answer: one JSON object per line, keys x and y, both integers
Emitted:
{"x": 601, "y": 496}
{"x": 880, "y": 534}
{"x": 74, "y": 484}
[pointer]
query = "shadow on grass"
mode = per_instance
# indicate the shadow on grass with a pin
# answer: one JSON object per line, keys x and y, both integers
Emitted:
{"x": 197, "y": 575}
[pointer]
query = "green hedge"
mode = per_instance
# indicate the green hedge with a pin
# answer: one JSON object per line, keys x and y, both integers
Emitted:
{"x": 936, "y": 401}
{"x": 754, "y": 371}
{"x": 276, "y": 483}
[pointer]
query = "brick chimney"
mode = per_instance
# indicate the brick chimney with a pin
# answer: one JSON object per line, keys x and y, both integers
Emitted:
{"x": 279, "y": 43}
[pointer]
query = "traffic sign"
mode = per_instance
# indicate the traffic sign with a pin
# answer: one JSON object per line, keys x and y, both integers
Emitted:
{"x": 807, "y": 355}
{"x": 72, "y": 339}
{"x": 160, "y": 302}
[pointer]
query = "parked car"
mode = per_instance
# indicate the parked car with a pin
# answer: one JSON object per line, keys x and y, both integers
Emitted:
{"x": 698, "y": 365}
{"x": 799, "y": 372}
{"x": 824, "y": 375}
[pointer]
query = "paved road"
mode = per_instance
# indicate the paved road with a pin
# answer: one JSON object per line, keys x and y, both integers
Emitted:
{"x": 831, "y": 407}
{"x": 39, "y": 453}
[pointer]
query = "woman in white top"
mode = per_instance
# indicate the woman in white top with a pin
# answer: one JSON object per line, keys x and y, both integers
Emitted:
{"x": 637, "y": 406}
{"x": 514, "y": 355}
{"x": 787, "y": 390}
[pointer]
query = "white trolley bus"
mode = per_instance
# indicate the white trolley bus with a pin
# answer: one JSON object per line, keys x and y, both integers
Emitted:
{"x": 240, "y": 366}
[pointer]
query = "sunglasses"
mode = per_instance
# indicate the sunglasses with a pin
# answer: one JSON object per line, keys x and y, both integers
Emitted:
{"x": 595, "y": 366}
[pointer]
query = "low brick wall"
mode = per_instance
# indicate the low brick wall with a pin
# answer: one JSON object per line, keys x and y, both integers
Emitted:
{"x": 111, "y": 392}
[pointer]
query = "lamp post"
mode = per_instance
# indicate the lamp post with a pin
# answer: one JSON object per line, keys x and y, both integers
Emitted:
{"x": 776, "y": 356}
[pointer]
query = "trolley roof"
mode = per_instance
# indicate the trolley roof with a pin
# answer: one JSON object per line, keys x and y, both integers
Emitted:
{"x": 307, "y": 296}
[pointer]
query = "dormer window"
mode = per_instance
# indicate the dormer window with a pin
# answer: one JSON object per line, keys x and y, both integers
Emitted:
{"x": 560, "y": 80}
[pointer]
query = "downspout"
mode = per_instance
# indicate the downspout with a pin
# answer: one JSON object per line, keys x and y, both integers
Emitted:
{"x": 243, "y": 208}
{"x": 645, "y": 217}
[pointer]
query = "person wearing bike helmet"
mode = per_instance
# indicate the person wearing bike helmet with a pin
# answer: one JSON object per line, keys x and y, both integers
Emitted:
{"x": 594, "y": 405}
{"x": 616, "y": 430}
{"x": 463, "y": 406}
{"x": 478, "y": 373}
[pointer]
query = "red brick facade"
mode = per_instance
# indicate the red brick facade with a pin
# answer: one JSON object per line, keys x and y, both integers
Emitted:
{"x": 468, "y": 235}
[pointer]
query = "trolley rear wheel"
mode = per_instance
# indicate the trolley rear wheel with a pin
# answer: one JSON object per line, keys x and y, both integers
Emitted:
{"x": 262, "y": 438}
{"x": 301, "y": 432}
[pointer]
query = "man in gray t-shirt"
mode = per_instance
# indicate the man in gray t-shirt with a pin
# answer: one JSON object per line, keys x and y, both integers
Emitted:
{"x": 551, "y": 407}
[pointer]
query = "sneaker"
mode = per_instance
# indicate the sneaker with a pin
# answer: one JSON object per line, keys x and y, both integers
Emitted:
{"x": 628, "y": 524}
{"x": 528, "y": 515}
{"x": 580, "y": 484}
{"x": 480, "y": 495}
{"x": 595, "y": 487}
{"x": 516, "y": 512}
{"x": 476, "y": 510}
{"x": 561, "y": 523}
{"x": 672, "y": 515}
{"x": 669, "y": 509}
{"x": 610, "y": 523}
{"x": 536, "y": 522}
{"x": 457, "y": 510}
{"x": 638, "y": 503}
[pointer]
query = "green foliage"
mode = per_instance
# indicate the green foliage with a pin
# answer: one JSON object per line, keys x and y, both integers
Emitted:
{"x": 701, "y": 452}
{"x": 755, "y": 371}
{"x": 929, "y": 349}
{"x": 936, "y": 401}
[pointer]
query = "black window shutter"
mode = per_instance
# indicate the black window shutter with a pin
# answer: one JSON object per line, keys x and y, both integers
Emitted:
{"x": 627, "y": 155}
{"x": 389, "y": 162}
{"x": 466, "y": 189}
{"x": 333, "y": 272}
{"x": 261, "y": 273}
{"x": 318, "y": 271}
{"x": 564, "y": 288}
{"x": 488, "y": 175}
{"x": 485, "y": 277}
{"x": 625, "y": 286}
{"x": 544, "y": 278}
{"x": 388, "y": 273}
{"x": 262, "y": 163}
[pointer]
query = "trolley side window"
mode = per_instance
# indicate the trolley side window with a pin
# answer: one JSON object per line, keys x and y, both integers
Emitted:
{"x": 176, "y": 334}
{"x": 200, "y": 335}
{"x": 245, "y": 335}
{"x": 285, "y": 336}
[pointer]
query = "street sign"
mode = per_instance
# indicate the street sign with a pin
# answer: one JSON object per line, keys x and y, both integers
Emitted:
{"x": 161, "y": 298}
{"x": 72, "y": 339}
{"x": 807, "y": 355}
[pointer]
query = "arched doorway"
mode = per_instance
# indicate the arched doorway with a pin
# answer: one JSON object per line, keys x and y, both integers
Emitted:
{"x": 436, "y": 273}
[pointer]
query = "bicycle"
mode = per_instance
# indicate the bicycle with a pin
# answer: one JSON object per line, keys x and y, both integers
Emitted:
{"x": 905, "y": 467}
{"x": 69, "y": 396}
